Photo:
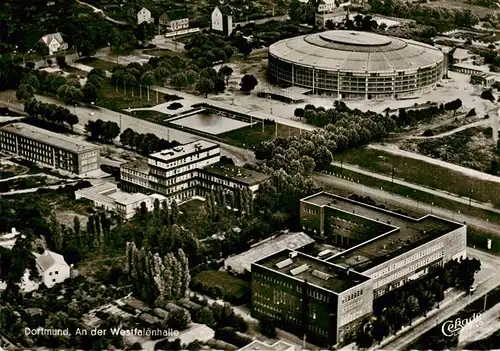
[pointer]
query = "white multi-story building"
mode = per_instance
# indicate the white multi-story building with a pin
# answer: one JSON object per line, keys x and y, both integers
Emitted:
{"x": 222, "y": 19}
{"x": 52, "y": 268}
{"x": 144, "y": 15}
{"x": 54, "y": 42}
{"x": 187, "y": 170}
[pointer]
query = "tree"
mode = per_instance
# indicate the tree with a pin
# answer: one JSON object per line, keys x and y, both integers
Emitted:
{"x": 453, "y": 105}
{"x": 148, "y": 79}
{"x": 205, "y": 316}
{"x": 329, "y": 25}
{"x": 205, "y": 86}
{"x": 364, "y": 339}
{"x": 226, "y": 72}
{"x": 127, "y": 137}
{"x": 61, "y": 61}
{"x": 129, "y": 78}
{"x": 25, "y": 92}
{"x": 72, "y": 119}
{"x": 267, "y": 328}
{"x": 322, "y": 158}
{"x": 248, "y": 83}
{"x": 86, "y": 48}
{"x": 412, "y": 307}
{"x": 178, "y": 319}
{"x": 90, "y": 92}
{"x": 381, "y": 329}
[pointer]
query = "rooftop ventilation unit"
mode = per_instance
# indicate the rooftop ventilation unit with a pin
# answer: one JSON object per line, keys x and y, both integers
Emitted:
{"x": 168, "y": 153}
{"x": 284, "y": 263}
{"x": 293, "y": 254}
{"x": 324, "y": 253}
{"x": 321, "y": 275}
{"x": 177, "y": 148}
{"x": 299, "y": 269}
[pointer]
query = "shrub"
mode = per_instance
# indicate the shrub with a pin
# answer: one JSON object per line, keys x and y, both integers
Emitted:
{"x": 488, "y": 95}
{"x": 471, "y": 113}
{"x": 428, "y": 133}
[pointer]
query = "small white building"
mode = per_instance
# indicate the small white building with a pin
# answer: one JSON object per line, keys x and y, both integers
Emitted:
{"x": 174, "y": 21}
{"x": 144, "y": 15}
{"x": 326, "y": 6}
{"x": 53, "y": 268}
{"x": 107, "y": 196}
{"x": 54, "y": 42}
{"x": 222, "y": 19}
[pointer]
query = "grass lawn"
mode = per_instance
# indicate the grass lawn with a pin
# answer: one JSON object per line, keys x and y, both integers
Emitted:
{"x": 423, "y": 173}
{"x": 97, "y": 63}
{"x": 150, "y": 115}
{"x": 232, "y": 285}
{"x": 113, "y": 97}
{"x": 251, "y": 136}
{"x": 160, "y": 52}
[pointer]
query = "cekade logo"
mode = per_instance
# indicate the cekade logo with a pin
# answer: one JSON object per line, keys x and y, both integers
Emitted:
{"x": 450, "y": 328}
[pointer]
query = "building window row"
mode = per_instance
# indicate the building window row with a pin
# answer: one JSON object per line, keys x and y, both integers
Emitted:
{"x": 352, "y": 296}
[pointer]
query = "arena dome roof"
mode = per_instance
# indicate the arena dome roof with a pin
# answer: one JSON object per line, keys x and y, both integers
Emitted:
{"x": 355, "y": 51}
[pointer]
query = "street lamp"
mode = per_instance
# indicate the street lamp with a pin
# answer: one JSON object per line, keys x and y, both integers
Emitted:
{"x": 432, "y": 204}
{"x": 470, "y": 197}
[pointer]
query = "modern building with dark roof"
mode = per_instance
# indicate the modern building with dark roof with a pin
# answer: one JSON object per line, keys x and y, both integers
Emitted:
{"x": 49, "y": 148}
{"x": 381, "y": 250}
{"x": 354, "y": 64}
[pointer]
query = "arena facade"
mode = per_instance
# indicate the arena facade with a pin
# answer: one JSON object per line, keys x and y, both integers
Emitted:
{"x": 353, "y": 64}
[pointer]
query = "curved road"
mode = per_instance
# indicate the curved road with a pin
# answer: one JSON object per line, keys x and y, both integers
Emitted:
{"x": 98, "y": 10}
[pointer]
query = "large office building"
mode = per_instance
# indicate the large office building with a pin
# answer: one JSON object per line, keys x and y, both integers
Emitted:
{"x": 381, "y": 251}
{"x": 49, "y": 148}
{"x": 353, "y": 64}
{"x": 187, "y": 170}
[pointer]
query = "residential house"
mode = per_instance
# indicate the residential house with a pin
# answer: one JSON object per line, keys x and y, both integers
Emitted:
{"x": 326, "y": 6}
{"x": 54, "y": 42}
{"x": 174, "y": 21}
{"x": 144, "y": 15}
{"x": 222, "y": 19}
{"x": 52, "y": 268}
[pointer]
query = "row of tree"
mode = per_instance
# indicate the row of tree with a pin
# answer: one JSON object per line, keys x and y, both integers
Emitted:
{"x": 105, "y": 131}
{"x": 50, "y": 113}
{"x": 145, "y": 143}
{"x": 399, "y": 307}
{"x": 156, "y": 279}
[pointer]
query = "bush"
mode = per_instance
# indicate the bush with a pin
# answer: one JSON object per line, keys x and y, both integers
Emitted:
{"x": 488, "y": 95}
{"x": 428, "y": 133}
{"x": 471, "y": 113}
{"x": 267, "y": 328}
{"x": 174, "y": 106}
{"x": 179, "y": 319}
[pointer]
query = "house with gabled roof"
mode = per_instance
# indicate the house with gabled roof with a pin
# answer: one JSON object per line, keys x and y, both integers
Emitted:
{"x": 174, "y": 21}
{"x": 54, "y": 42}
{"x": 144, "y": 15}
{"x": 222, "y": 19}
{"x": 53, "y": 268}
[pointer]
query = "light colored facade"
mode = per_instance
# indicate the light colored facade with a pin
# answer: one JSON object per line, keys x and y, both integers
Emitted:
{"x": 52, "y": 268}
{"x": 327, "y": 298}
{"x": 483, "y": 79}
{"x": 188, "y": 170}
{"x": 144, "y": 15}
{"x": 332, "y": 5}
{"x": 49, "y": 148}
{"x": 174, "y": 22}
{"x": 108, "y": 197}
{"x": 351, "y": 64}
{"x": 222, "y": 20}
{"x": 54, "y": 42}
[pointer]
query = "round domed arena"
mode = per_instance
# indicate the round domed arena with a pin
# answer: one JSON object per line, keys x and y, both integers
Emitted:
{"x": 353, "y": 64}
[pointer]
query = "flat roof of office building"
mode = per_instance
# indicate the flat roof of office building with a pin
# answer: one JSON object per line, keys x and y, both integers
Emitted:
{"x": 238, "y": 174}
{"x": 294, "y": 241}
{"x": 50, "y": 138}
{"x": 408, "y": 233}
{"x": 183, "y": 150}
{"x": 317, "y": 272}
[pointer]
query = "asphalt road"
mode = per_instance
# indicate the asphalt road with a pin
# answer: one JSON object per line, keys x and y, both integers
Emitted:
{"x": 487, "y": 279}
{"x": 390, "y": 199}
{"x": 434, "y": 192}
{"x": 241, "y": 156}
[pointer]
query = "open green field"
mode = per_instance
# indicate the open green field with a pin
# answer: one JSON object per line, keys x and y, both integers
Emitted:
{"x": 113, "y": 97}
{"x": 229, "y": 284}
{"x": 97, "y": 63}
{"x": 251, "y": 136}
{"x": 423, "y": 173}
{"x": 150, "y": 115}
